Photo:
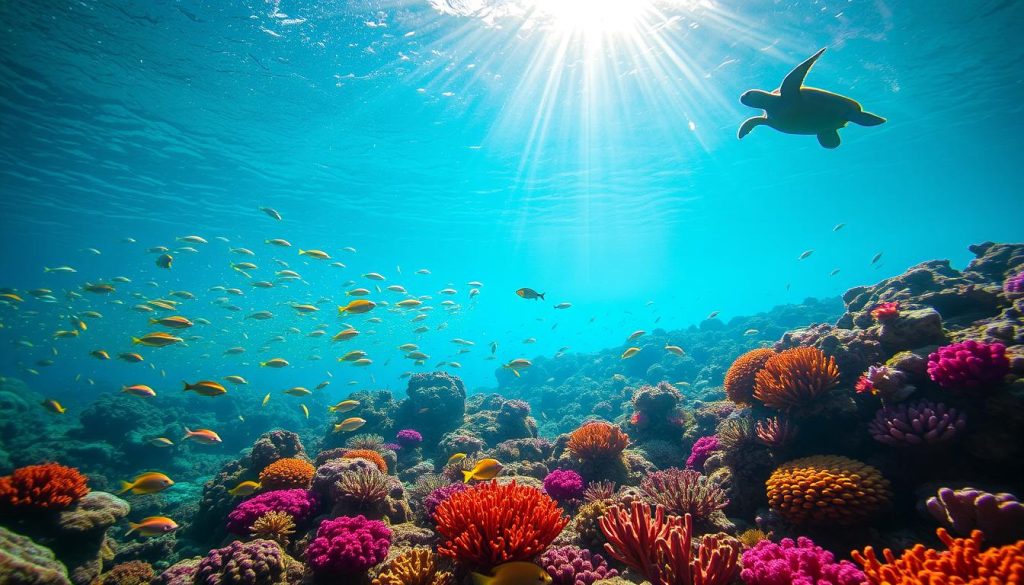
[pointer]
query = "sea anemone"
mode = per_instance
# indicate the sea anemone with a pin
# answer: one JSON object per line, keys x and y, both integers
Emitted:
{"x": 286, "y": 474}
{"x": 274, "y": 525}
{"x": 409, "y": 438}
{"x": 413, "y": 567}
{"x": 795, "y": 377}
{"x": 740, "y": 379}
{"x": 963, "y": 562}
{"x": 49, "y": 486}
{"x": 827, "y": 490}
{"x": 599, "y": 491}
{"x": 888, "y": 383}
{"x": 968, "y": 365}
{"x": 362, "y": 488}
{"x": 775, "y": 432}
{"x": 348, "y": 546}
{"x": 918, "y": 424}
{"x": 371, "y": 456}
{"x": 367, "y": 441}
{"x": 597, "y": 440}
{"x": 684, "y": 491}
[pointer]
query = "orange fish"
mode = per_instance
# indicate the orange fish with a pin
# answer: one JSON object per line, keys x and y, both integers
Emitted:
{"x": 357, "y": 306}
{"x": 206, "y": 388}
{"x": 204, "y": 436}
{"x": 153, "y": 526}
{"x": 139, "y": 390}
{"x": 147, "y": 483}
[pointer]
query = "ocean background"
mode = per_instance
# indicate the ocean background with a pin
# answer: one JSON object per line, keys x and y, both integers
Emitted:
{"x": 484, "y": 141}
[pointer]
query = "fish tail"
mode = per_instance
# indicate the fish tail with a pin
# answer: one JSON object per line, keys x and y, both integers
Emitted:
{"x": 332, "y": 408}
{"x": 125, "y": 486}
{"x": 302, "y": 252}
{"x": 136, "y": 341}
{"x": 263, "y": 364}
{"x": 187, "y": 386}
{"x": 133, "y": 527}
{"x": 466, "y": 475}
{"x": 188, "y": 433}
{"x": 541, "y": 295}
{"x": 47, "y": 269}
{"x": 151, "y": 320}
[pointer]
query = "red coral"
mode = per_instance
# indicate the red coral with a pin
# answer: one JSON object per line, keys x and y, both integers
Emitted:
{"x": 49, "y": 486}
{"x": 597, "y": 440}
{"x": 886, "y": 311}
{"x": 962, "y": 563}
{"x": 490, "y": 524}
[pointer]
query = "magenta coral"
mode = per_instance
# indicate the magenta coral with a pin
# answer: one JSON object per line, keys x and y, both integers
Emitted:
{"x": 564, "y": 484}
{"x": 700, "y": 452}
{"x": 999, "y": 516}
{"x": 571, "y": 565}
{"x": 299, "y": 504}
{"x": 920, "y": 423}
{"x": 1015, "y": 284}
{"x": 968, "y": 365}
{"x": 409, "y": 438}
{"x": 348, "y": 545}
{"x": 796, "y": 563}
{"x": 260, "y": 562}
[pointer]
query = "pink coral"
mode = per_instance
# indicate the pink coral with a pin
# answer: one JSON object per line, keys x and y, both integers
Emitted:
{"x": 968, "y": 365}
{"x": 700, "y": 452}
{"x": 299, "y": 504}
{"x": 348, "y": 545}
{"x": 796, "y": 563}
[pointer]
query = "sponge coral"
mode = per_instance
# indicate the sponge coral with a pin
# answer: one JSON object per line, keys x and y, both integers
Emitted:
{"x": 49, "y": 486}
{"x": 795, "y": 377}
{"x": 130, "y": 573}
{"x": 490, "y": 524}
{"x": 739, "y": 380}
{"x": 413, "y": 567}
{"x": 564, "y": 484}
{"x": 968, "y": 365}
{"x": 827, "y": 490}
{"x": 370, "y": 455}
{"x": 597, "y": 440}
{"x": 286, "y": 474}
{"x": 963, "y": 562}
{"x": 348, "y": 545}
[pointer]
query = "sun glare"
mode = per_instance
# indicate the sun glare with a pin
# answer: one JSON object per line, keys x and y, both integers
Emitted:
{"x": 593, "y": 17}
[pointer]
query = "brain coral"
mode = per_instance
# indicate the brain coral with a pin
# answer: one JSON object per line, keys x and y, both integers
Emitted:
{"x": 827, "y": 490}
{"x": 795, "y": 377}
{"x": 490, "y": 524}
{"x": 963, "y": 562}
{"x": 286, "y": 474}
{"x": 41, "y": 487}
{"x": 597, "y": 440}
{"x": 371, "y": 456}
{"x": 739, "y": 380}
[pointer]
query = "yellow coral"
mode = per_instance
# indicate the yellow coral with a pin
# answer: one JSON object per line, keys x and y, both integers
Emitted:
{"x": 827, "y": 490}
{"x": 274, "y": 525}
{"x": 415, "y": 567}
{"x": 287, "y": 473}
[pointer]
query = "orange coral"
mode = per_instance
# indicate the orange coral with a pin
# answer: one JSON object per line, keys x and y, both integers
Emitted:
{"x": 490, "y": 524}
{"x": 368, "y": 454}
{"x": 963, "y": 563}
{"x": 286, "y": 474}
{"x": 739, "y": 380}
{"x": 49, "y": 486}
{"x": 827, "y": 490}
{"x": 414, "y": 567}
{"x": 597, "y": 440}
{"x": 795, "y": 377}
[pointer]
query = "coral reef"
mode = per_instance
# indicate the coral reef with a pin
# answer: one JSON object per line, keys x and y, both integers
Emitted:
{"x": 794, "y": 378}
{"x": 564, "y": 484}
{"x": 700, "y": 451}
{"x": 418, "y": 566}
{"x": 130, "y": 573}
{"x": 742, "y": 374}
{"x": 41, "y": 487}
{"x": 23, "y": 562}
{"x": 829, "y": 490}
{"x": 684, "y": 491}
{"x": 258, "y": 562}
{"x": 371, "y": 456}
{"x": 968, "y": 365}
{"x": 274, "y": 525}
{"x": 300, "y": 504}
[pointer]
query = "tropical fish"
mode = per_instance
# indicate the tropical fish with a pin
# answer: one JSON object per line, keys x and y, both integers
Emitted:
{"x": 409, "y": 303}
{"x": 529, "y": 293}
{"x": 483, "y": 470}
{"x": 191, "y": 240}
{"x": 161, "y": 442}
{"x": 261, "y": 315}
{"x": 630, "y": 352}
{"x": 563, "y": 305}
{"x": 271, "y": 212}
{"x": 675, "y": 349}
{"x": 357, "y": 292}
{"x": 274, "y": 363}
{"x": 635, "y": 334}
{"x": 751, "y": 332}
{"x": 306, "y": 308}
{"x": 266, "y": 399}
{"x": 344, "y": 406}
{"x": 234, "y": 350}
{"x": 147, "y": 483}
{"x": 12, "y": 297}
{"x": 156, "y": 339}
{"x": 323, "y": 385}
{"x": 242, "y": 251}
{"x": 153, "y": 526}
{"x": 876, "y": 257}
{"x": 456, "y": 458}
{"x": 175, "y": 322}
{"x": 236, "y": 380}
{"x": 713, "y": 314}
{"x": 448, "y": 291}
{"x": 345, "y": 334}
{"x": 244, "y": 489}
{"x": 164, "y": 260}
{"x": 60, "y": 270}
{"x": 357, "y": 306}
{"x": 838, "y": 227}
{"x": 316, "y": 254}
{"x": 98, "y": 288}
{"x": 131, "y": 357}
{"x": 362, "y": 362}
{"x": 408, "y": 347}
{"x": 206, "y": 388}
{"x": 349, "y": 424}
{"x": 805, "y": 255}
{"x": 205, "y": 436}
{"x": 100, "y": 354}
{"x": 298, "y": 391}
{"x": 139, "y": 390}
{"x": 374, "y": 276}
{"x": 279, "y": 242}
{"x": 305, "y": 410}
{"x": 397, "y": 288}
{"x": 54, "y": 406}
{"x": 423, "y": 271}
{"x": 514, "y": 573}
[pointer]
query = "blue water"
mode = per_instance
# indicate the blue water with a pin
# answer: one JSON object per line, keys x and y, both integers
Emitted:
{"x": 483, "y": 141}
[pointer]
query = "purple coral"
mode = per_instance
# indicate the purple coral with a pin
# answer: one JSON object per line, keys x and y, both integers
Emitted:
{"x": 409, "y": 438}
{"x": 571, "y": 565}
{"x": 796, "y": 563}
{"x": 700, "y": 452}
{"x": 999, "y": 516}
{"x": 968, "y": 365}
{"x": 348, "y": 545}
{"x": 299, "y": 504}
{"x": 259, "y": 562}
{"x": 439, "y": 495}
{"x": 564, "y": 484}
{"x": 1015, "y": 284}
{"x": 920, "y": 423}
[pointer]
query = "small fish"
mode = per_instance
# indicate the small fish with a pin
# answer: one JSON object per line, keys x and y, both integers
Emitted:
{"x": 712, "y": 315}
{"x": 805, "y": 255}
{"x": 271, "y": 212}
{"x": 175, "y": 322}
{"x": 374, "y": 276}
{"x": 206, "y": 388}
{"x": 357, "y": 306}
{"x": 345, "y": 334}
{"x": 483, "y": 470}
{"x": 242, "y": 251}
{"x": 876, "y": 258}
{"x": 245, "y": 489}
{"x": 349, "y": 424}
{"x": 675, "y": 349}
{"x": 838, "y": 227}
{"x": 344, "y": 406}
{"x": 316, "y": 254}
{"x": 205, "y": 436}
{"x": 456, "y": 458}
{"x": 236, "y": 380}
{"x": 362, "y": 362}
{"x": 349, "y": 249}
{"x": 630, "y": 352}
{"x": 306, "y": 308}
{"x": 323, "y": 385}
{"x": 54, "y": 406}
{"x": 153, "y": 526}
{"x": 100, "y": 354}
{"x": 494, "y": 347}
{"x": 98, "y": 288}
{"x": 279, "y": 242}
{"x": 358, "y": 292}
{"x": 147, "y": 483}
{"x": 514, "y": 573}
{"x": 192, "y": 240}
{"x": 156, "y": 339}
{"x": 164, "y": 260}
{"x": 133, "y": 358}
{"x": 234, "y": 351}
{"x": 274, "y": 363}
{"x": 305, "y": 410}
{"x": 636, "y": 334}
{"x": 397, "y": 288}
{"x": 60, "y": 270}
{"x": 161, "y": 442}
{"x": 266, "y": 399}
{"x": 529, "y": 293}
{"x": 408, "y": 347}
{"x": 834, "y": 272}
{"x": 409, "y": 303}
{"x": 261, "y": 315}
{"x": 448, "y": 291}
{"x": 298, "y": 391}
{"x": 563, "y": 305}
{"x": 751, "y": 332}
{"x": 140, "y": 390}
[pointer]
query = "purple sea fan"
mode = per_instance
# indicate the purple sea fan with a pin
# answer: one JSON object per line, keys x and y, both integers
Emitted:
{"x": 700, "y": 452}
{"x": 999, "y": 516}
{"x": 968, "y": 365}
{"x": 564, "y": 484}
{"x": 571, "y": 565}
{"x": 409, "y": 438}
{"x": 348, "y": 545}
{"x": 301, "y": 505}
{"x": 1014, "y": 284}
{"x": 797, "y": 563}
{"x": 920, "y": 423}
{"x": 775, "y": 432}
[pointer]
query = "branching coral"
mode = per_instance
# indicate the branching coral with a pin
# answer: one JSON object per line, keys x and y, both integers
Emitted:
{"x": 597, "y": 440}
{"x": 274, "y": 525}
{"x": 968, "y": 365}
{"x": 286, "y": 474}
{"x": 348, "y": 545}
{"x": 827, "y": 490}
{"x": 490, "y": 524}
{"x": 918, "y": 424}
{"x": 795, "y": 377}
{"x": 962, "y": 563}
{"x": 684, "y": 491}
{"x": 371, "y": 456}
{"x": 599, "y": 491}
{"x": 49, "y": 486}
{"x": 740, "y": 379}
{"x": 414, "y": 567}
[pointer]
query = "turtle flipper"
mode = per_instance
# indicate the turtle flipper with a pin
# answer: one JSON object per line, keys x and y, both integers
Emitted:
{"x": 866, "y": 118}
{"x": 829, "y": 139}
{"x": 749, "y": 125}
{"x": 791, "y": 84}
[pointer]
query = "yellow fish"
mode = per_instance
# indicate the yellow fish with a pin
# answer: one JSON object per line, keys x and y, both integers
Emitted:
{"x": 346, "y": 334}
{"x": 349, "y": 424}
{"x": 514, "y": 573}
{"x": 161, "y": 442}
{"x": 357, "y": 306}
{"x": 131, "y": 357}
{"x": 156, "y": 339}
{"x": 12, "y": 297}
{"x": 456, "y": 458}
{"x": 675, "y": 349}
{"x": 630, "y": 352}
{"x": 206, "y": 388}
{"x": 635, "y": 334}
{"x": 147, "y": 483}
{"x": 352, "y": 356}
{"x": 306, "y": 308}
{"x": 153, "y": 526}
{"x": 484, "y": 469}
{"x": 305, "y": 410}
{"x": 205, "y": 436}
{"x": 175, "y": 322}
{"x": 318, "y": 254}
{"x": 274, "y": 363}
{"x": 266, "y": 399}
{"x": 246, "y": 488}
{"x": 53, "y": 406}
{"x": 344, "y": 406}
{"x": 139, "y": 390}
{"x": 100, "y": 354}
{"x": 298, "y": 391}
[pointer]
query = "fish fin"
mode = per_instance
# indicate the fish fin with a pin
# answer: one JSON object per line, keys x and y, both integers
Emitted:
{"x": 132, "y": 527}
{"x": 263, "y": 364}
{"x": 125, "y": 486}
{"x": 188, "y": 433}
{"x": 466, "y": 475}
{"x": 481, "y": 579}
{"x": 301, "y": 252}
{"x": 187, "y": 386}
{"x": 541, "y": 295}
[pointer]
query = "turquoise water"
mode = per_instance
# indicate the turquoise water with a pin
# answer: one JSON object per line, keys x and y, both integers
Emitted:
{"x": 503, "y": 143}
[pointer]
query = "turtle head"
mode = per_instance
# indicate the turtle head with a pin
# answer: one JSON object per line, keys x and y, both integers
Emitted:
{"x": 756, "y": 98}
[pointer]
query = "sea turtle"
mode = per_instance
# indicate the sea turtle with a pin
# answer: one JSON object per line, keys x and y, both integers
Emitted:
{"x": 796, "y": 109}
